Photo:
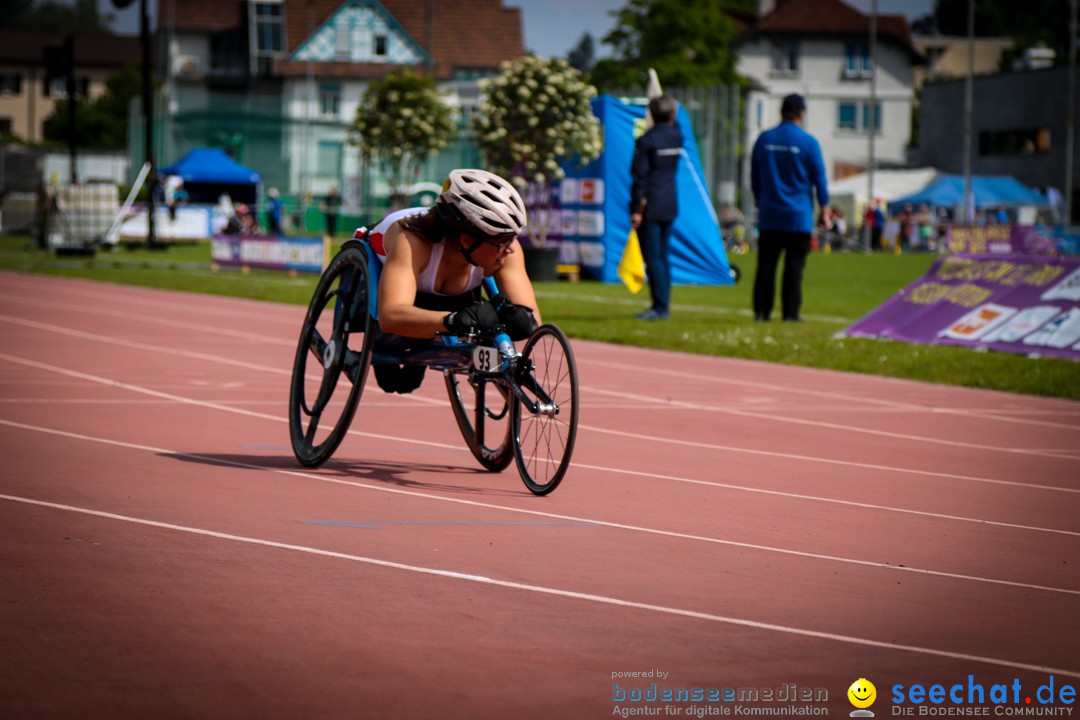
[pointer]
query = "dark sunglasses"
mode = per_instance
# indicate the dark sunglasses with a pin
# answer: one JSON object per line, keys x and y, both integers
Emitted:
{"x": 500, "y": 242}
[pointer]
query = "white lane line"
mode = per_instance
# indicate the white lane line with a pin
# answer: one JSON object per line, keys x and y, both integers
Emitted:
{"x": 831, "y": 395}
{"x": 897, "y": 405}
{"x": 535, "y": 513}
{"x": 554, "y": 592}
{"x": 279, "y": 371}
{"x": 833, "y": 426}
{"x": 194, "y": 355}
{"x": 144, "y": 297}
{"x": 252, "y": 413}
{"x": 656, "y": 401}
{"x": 162, "y": 322}
{"x": 669, "y": 404}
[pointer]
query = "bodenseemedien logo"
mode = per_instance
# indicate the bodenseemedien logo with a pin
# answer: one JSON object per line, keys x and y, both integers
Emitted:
{"x": 862, "y": 695}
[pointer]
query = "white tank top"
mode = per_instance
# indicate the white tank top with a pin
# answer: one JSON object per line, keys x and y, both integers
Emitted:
{"x": 425, "y": 282}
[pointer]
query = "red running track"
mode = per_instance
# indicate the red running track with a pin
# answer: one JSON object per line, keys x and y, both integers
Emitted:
{"x": 730, "y": 524}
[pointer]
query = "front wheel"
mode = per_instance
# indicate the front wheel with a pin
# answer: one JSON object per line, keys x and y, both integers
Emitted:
{"x": 332, "y": 358}
{"x": 547, "y": 425}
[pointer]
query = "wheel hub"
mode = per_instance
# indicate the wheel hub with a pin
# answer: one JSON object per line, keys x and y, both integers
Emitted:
{"x": 328, "y": 354}
{"x": 549, "y": 409}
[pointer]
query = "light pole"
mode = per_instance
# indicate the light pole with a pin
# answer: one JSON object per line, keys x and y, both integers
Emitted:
{"x": 148, "y": 121}
{"x": 969, "y": 203}
{"x": 871, "y": 114}
{"x": 1070, "y": 127}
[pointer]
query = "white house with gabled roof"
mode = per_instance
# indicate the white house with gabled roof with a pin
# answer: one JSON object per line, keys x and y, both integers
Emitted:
{"x": 821, "y": 49}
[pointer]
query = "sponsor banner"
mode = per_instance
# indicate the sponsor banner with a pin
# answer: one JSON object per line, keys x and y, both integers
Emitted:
{"x": 1013, "y": 303}
{"x": 1009, "y": 240}
{"x": 302, "y": 254}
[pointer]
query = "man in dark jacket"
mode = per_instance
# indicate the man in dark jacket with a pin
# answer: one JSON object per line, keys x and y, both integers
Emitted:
{"x": 654, "y": 202}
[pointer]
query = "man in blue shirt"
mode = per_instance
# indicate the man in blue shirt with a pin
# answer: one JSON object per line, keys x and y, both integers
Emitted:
{"x": 785, "y": 169}
{"x": 654, "y": 202}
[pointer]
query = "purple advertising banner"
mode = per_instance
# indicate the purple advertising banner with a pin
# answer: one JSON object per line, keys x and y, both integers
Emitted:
{"x": 1013, "y": 303}
{"x": 1004, "y": 240}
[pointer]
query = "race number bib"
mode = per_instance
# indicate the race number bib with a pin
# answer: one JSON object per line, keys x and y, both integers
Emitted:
{"x": 485, "y": 359}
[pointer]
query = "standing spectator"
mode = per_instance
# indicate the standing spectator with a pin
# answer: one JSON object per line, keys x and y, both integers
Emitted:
{"x": 786, "y": 168}
{"x": 839, "y": 228}
{"x": 878, "y": 228}
{"x": 906, "y": 216}
{"x": 654, "y": 200}
{"x": 926, "y": 227}
{"x": 942, "y": 230}
{"x": 174, "y": 194}
{"x": 274, "y": 212}
{"x": 332, "y": 206}
{"x": 868, "y": 226}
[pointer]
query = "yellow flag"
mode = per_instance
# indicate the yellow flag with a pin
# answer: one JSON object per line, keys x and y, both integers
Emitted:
{"x": 632, "y": 264}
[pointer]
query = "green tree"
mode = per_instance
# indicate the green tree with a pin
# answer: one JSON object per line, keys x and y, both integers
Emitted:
{"x": 101, "y": 123}
{"x": 537, "y": 115}
{"x": 687, "y": 42}
{"x": 1028, "y": 22}
{"x": 401, "y": 121}
{"x": 82, "y": 16}
{"x": 583, "y": 56}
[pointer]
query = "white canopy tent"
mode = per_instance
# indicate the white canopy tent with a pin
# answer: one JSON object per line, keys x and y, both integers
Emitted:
{"x": 888, "y": 185}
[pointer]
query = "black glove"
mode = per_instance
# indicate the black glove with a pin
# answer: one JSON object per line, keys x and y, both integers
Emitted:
{"x": 478, "y": 316}
{"x": 519, "y": 321}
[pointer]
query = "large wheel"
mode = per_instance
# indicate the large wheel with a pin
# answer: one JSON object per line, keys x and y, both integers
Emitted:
{"x": 332, "y": 358}
{"x": 482, "y": 409}
{"x": 544, "y": 440}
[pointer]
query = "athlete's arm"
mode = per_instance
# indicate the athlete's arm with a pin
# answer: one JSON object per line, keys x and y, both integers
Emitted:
{"x": 514, "y": 282}
{"x": 406, "y": 256}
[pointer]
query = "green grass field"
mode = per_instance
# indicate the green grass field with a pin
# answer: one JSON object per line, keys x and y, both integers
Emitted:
{"x": 838, "y": 289}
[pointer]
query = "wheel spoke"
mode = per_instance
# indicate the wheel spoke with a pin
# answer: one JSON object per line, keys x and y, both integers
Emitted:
{"x": 317, "y": 344}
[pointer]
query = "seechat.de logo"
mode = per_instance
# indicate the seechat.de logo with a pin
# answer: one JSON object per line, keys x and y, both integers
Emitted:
{"x": 862, "y": 695}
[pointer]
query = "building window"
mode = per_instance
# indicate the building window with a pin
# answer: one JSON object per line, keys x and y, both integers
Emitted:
{"x": 329, "y": 98}
{"x": 380, "y": 46}
{"x": 341, "y": 41}
{"x": 328, "y": 160}
{"x": 855, "y": 116}
{"x": 56, "y": 87}
{"x": 269, "y": 28}
{"x": 10, "y": 84}
{"x": 847, "y": 118}
{"x": 229, "y": 52}
{"x": 856, "y": 60}
{"x": 1017, "y": 141}
{"x": 5, "y": 126}
{"x": 785, "y": 58}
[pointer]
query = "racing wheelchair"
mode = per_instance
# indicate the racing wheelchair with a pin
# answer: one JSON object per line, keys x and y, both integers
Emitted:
{"x": 510, "y": 406}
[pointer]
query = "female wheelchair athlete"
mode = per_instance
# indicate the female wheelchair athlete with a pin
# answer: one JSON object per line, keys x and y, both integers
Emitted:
{"x": 509, "y": 405}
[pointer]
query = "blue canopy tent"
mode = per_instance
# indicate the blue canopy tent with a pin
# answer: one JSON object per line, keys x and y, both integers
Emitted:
{"x": 697, "y": 249}
{"x": 989, "y": 191}
{"x": 209, "y": 172}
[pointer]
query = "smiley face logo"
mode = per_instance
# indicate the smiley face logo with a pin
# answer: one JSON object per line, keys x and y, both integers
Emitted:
{"x": 862, "y": 693}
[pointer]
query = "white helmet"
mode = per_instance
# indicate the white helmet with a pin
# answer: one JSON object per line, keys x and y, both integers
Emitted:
{"x": 479, "y": 201}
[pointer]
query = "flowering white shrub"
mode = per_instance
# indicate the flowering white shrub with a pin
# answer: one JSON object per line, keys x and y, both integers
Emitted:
{"x": 401, "y": 121}
{"x": 537, "y": 115}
